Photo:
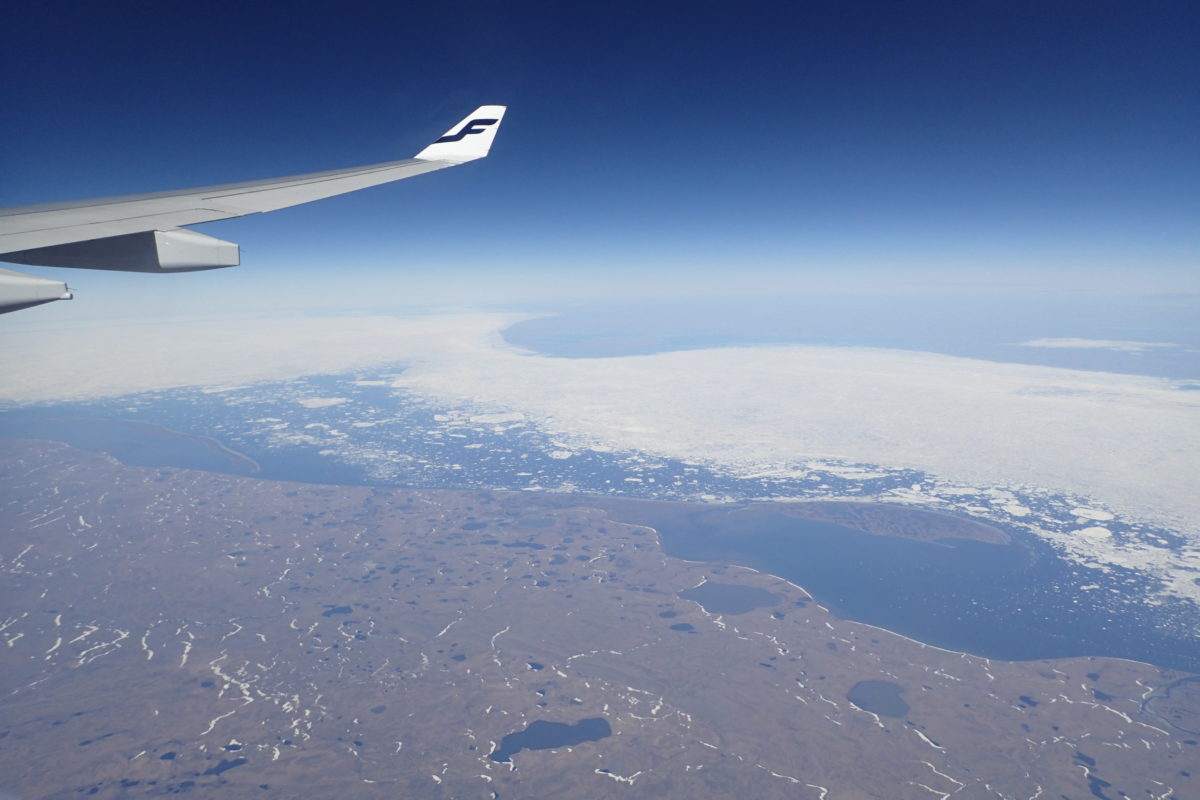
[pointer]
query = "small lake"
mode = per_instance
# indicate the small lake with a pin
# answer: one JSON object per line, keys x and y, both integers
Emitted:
{"x": 730, "y": 598}
{"x": 879, "y": 697}
{"x": 543, "y": 735}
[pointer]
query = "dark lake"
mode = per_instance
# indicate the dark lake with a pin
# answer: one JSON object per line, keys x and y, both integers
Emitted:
{"x": 879, "y": 697}
{"x": 543, "y": 735}
{"x": 730, "y": 598}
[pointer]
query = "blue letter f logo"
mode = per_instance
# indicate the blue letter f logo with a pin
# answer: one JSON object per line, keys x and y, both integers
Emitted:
{"x": 474, "y": 126}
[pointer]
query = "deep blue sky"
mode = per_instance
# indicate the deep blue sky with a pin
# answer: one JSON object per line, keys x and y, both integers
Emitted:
{"x": 668, "y": 142}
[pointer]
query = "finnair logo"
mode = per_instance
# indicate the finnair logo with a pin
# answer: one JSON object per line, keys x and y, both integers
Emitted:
{"x": 474, "y": 126}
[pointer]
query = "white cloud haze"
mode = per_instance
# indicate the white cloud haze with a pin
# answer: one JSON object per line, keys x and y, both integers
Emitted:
{"x": 1131, "y": 442}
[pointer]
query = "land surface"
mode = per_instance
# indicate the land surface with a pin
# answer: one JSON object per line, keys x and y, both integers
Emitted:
{"x": 169, "y": 631}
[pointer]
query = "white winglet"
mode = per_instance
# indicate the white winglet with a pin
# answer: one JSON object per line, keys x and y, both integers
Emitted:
{"x": 469, "y": 139}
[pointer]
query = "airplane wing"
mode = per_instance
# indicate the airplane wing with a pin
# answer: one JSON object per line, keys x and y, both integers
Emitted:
{"x": 144, "y": 233}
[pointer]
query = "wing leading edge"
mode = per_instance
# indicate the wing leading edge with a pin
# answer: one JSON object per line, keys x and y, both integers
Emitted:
{"x": 142, "y": 232}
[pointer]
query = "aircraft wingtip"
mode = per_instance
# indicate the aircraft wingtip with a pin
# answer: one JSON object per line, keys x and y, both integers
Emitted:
{"x": 469, "y": 139}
